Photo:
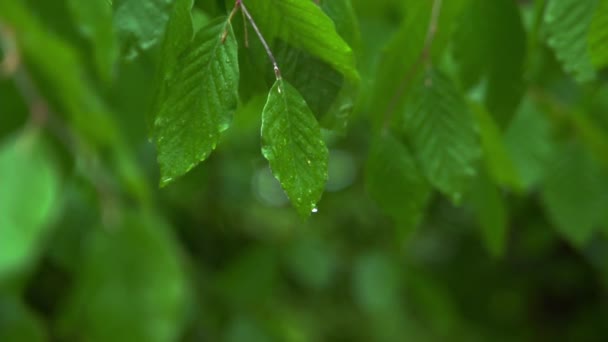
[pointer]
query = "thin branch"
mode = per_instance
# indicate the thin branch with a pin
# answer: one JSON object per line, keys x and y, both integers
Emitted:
{"x": 277, "y": 71}
{"x": 423, "y": 58}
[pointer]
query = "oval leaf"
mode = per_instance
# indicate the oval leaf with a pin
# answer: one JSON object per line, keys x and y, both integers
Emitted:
{"x": 292, "y": 143}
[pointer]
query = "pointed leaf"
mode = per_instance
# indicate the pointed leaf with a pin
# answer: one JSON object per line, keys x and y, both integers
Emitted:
{"x": 395, "y": 182}
{"x": 442, "y": 134}
{"x": 292, "y": 143}
{"x": 198, "y": 100}
{"x": 567, "y": 24}
{"x": 304, "y": 25}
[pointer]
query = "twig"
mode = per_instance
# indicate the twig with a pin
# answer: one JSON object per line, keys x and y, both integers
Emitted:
{"x": 277, "y": 71}
{"x": 423, "y": 58}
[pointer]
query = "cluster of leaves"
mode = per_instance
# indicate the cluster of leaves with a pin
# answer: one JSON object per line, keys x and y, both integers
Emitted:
{"x": 436, "y": 115}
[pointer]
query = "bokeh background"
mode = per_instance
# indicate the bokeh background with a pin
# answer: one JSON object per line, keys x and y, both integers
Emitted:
{"x": 91, "y": 249}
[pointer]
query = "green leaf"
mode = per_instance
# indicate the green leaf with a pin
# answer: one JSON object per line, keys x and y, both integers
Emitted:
{"x": 394, "y": 181}
{"x": 567, "y": 24}
{"x": 140, "y": 24}
{"x": 292, "y": 143}
{"x": 198, "y": 98}
{"x": 344, "y": 17}
{"x": 492, "y": 216}
{"x": 528, "y": 140}
{"x": 316, "y": 81}
{"x": 303, "y": 24}
{"x": 94, "y": 20}
{"x": 29, "y": 191}
{"x": 574, "y": 193}
{"x": 496, "y": 156}
{"x": 130, "y": 286}
{"x": 490, "y": 46}
{"x": 598, "y": 35}
{"x": 442, "y": 134}
{"x": 401, "y": 61}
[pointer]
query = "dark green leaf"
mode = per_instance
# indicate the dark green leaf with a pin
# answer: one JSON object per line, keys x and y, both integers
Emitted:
{"x": 574, "y": 193}
{"x": 199, "y": 97}
{"x": 490, "y": 46}
{"x": 395, "y": 182}
{"x": 292, "y": 143}
{"x": 304, "y": 25}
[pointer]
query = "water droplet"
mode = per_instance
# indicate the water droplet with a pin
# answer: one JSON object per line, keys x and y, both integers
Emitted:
{"x": 279, "y": 89}
{"x": 315, "y": 210}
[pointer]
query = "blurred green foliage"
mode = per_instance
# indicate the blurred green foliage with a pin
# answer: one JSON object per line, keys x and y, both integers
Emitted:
{"x": 467, "y": 181}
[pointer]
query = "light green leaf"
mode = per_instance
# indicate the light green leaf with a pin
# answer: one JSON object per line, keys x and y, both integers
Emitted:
{"x": 491, "y": 211}
{"x": 598, "y": 35}
{"x": 94, "y": 20}
{"x": 198, "y": 99}
{"x": 490, "y": 45}
{"x": 130, "y": 286}
{"x": 395, "y": 182}
{"x": 496, "y": 156}
{"x": 304, "y": 25}
{"x": 574, "y": 193}
{"x": 29, "y": 191}
{"x": 442, "y": 134}
{"x": 140, "y": 23}
{"x": 292, "y": 143}
{"x": 567, "y": 24}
